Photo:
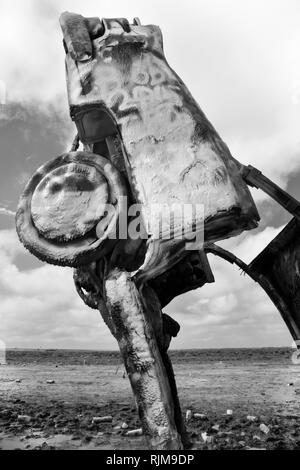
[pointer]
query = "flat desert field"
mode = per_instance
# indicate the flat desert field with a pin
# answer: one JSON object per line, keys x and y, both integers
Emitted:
{"x": 48, "y": 399}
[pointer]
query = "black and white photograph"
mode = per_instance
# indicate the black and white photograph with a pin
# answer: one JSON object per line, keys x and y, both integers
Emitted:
{"x": 149, "y": 228}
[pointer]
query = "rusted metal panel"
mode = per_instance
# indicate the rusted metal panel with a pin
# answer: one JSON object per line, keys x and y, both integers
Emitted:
{"x": 172, "y": 152}
{"x": 278, "y": 269}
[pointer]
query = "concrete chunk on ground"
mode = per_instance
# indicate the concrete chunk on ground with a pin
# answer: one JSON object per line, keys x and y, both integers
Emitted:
{"x": 206, "y": 437}
{"x": 255, "y": 448}
{"x": 135, "y": 432}
{"x": 251, "y": 418}
{"x": 265, "y": 429}
{"x": 200, "y": 416}
{"x": 216, "y": 427}
{"x": 24, "y": 418}
{"x": 102, "y": 419}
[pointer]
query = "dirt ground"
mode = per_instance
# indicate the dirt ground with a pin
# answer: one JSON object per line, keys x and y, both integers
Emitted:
{"x": 59, "y": 415}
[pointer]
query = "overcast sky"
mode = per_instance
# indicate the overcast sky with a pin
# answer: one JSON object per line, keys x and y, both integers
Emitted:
{"x": 241, "y": 61}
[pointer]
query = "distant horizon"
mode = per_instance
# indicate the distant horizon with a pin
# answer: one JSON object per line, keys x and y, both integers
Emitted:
{"x": 170, "y": 350}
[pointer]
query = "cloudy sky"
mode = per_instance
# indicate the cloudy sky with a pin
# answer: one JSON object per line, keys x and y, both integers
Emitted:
{"x": 241, "y": 61}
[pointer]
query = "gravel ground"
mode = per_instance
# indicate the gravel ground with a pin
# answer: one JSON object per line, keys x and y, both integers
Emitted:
{"x": 262, "y": 390}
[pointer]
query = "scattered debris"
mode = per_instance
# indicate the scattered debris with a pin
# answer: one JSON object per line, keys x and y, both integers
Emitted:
{"x": 199, "y": 416}
{"x": 265, "y": 429}
{"x": 50, "y": 381}
{"x": 124, "y": 426}
{"x": 251, "y": 418}
{"x": 216, "y": 427}
{"x": 188, "y": 415}
{"x": 24, "y": 418}
{"x": 256, "y": 438}
{"x": 117, "y": 428}
{"x": 102, "y": 419}
{"x": 18, "y": 381}
{"x": 229, "y": 412}
{"x": 255, "y": 448}
{"x": 135, "y": 432}
{"x": 206, "y": 438}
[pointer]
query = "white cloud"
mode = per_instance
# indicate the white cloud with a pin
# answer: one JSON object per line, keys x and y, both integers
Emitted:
{"x": 5, "y": 211}
{"x": 40, "y": 307}
{"x": 249, "y": 244}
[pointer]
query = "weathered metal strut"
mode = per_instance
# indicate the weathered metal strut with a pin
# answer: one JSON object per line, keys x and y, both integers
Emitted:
{"x": 276, "y": 268}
